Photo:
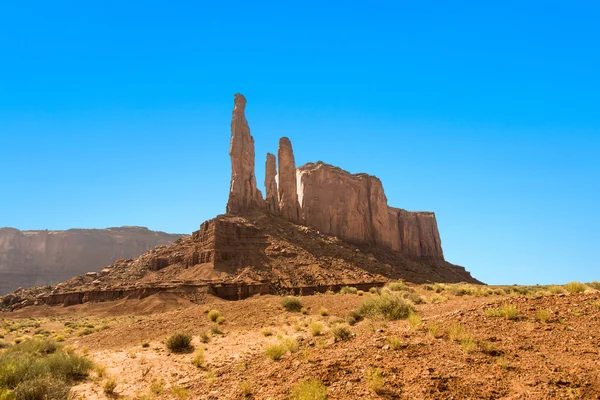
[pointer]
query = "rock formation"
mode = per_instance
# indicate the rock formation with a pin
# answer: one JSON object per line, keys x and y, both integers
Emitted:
{"x": 352, "y": 207}
{"x": 271, "y": 193}
{"x": 30, "y": 258}
{"x": 243, "y": 192}
{"x": 288, "y": 194}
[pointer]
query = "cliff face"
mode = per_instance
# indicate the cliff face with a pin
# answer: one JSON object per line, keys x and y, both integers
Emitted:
{"x": 352, "y": 207}
{"x": 29, "y": 258}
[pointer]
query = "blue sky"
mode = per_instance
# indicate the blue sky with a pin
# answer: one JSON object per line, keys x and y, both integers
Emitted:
{"x": 117, "y": 113}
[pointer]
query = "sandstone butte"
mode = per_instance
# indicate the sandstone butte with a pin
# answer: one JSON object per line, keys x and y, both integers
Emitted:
{"x": 335, "y": 202}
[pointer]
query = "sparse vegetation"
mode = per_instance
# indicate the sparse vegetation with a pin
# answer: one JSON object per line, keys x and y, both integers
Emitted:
{"x": 204, "y": 337}
{"x": 214, "y": 314}
{"x": 216, "y": 330}
{"x": 507, "y": 311}
{"x": 316, "y": 328}
{"x": 375, "y": 380}
{"x": 398, "y": 287}
{"x": 267, "y": 332}
{"x": 179, "y": 392}
{"x": 388, "y": 305}
{"x": 109, "y": 387}
{"x": 220, "y": 320}
{"x": 575, "y": 287}
{"x": 543, "y": 316}
{"x": 348, "y": 290}
{"x": 40, "y": 368}
{"x": 323, "y": 312}
{"x": 341, "y": 332}
{"x": 594, "y": 285}
{"x": 394, "y": 342}
{"x": 414, "y": 319}
{"x": 245, "y": 389}
{"x": 304, "y": 311}
{"x": 276, "y": 351}
{"x": 291, "y": 303}
{"x": 353, "y": 317}
{"x": 198, "y": 360}
{"x": 554, "y": 289}
{"x": 145, "y": 345}
{"x": 435, "y": 330}
{"x": 179, "y": 342}
{"x": 309, "y": 389}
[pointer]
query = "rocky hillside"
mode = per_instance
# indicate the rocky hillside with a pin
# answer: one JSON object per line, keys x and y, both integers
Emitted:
{"x": 29, "y": 258}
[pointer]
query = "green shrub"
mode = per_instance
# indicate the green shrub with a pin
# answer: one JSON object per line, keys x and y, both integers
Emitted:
{"x": 341, "y": 332}
{"x": 353, "y": 317}
{"x": 399, "y": 287}
{"x": 414, "y": 320}
{"x": 198, "y": 360}
{"x": 575, "y": 287}
{"x": 348, "y": 290}
{"x": 388, "y": 305}
{"x": 507, "y": 311}
{"x": 316, "y": 328}
{"x": 414, "y": 298}
{"x": 213, "y": 315}
{"x": 543, "y": 316}
{"x": 179, "y": 342}
{"x": 323, "y": 312}
{"x": 291, "y": 303}
{"x": 375, "y": 380}
{"x": 276, "y": 351}
{"x": 304, "y": 311}
{"x": 42, "y": 387}
{"x": 220, "y": 320}
{"x": 309, "y": 389}
{"x": 394, "y": 342}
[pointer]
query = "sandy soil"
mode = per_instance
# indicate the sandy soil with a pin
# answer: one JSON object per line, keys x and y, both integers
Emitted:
{"x": 497, "y": 358}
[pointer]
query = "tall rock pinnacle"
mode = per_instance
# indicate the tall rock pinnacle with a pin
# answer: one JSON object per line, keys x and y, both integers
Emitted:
{"x": 288, "y": 195}
{"x": 271, "y": 194}
{"x": 243, "y": 193}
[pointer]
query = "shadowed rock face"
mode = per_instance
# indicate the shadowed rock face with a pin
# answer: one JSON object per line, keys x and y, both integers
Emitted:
{"x": 271, "y": 193}
{"x": 243, "y": 192}
{"x": 288, "y": 195}
{"x": 29, "y": 258}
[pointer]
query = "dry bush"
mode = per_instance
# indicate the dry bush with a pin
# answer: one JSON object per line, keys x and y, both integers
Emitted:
{"x": 323, "y": 312}
{"x": 316, "y": 328}
{"x": 341, "y": 332}
{"x": 375, "y": 380}
{"x": 267, "y": 332}
{"x": 388, "y": 305}
{"x": 309, "y": 389}
{"x": 415, "y": 320}
{"x": 109, "y": 387}
{"x": 245, "y": 389}
{"x": 575, "y": 287}
{"x": 179, "y": 342}
{"x": 276, "y": 351}
{"x": 213, "y": 315}
{"x": 353, "y": 317}
{"x": 555, "y": 289}
{"x": 543, "y": 316}
{"x": 291, "y": 303}
{"x": 435, "y": 330}
{"x": 348, "y": 290}
{"x": 198, "y": 360}
{"x": 394, "y": 342}
{"x": 398, "y": 287}
{"x": 507, "y": 311}
{"x": 594, "y": 285}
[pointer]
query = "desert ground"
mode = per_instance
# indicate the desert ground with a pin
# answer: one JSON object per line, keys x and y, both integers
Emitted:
{"x": 453, "y": 341}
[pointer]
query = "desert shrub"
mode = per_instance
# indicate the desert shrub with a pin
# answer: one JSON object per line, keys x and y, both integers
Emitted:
{"x": 435, "y": 330}
{"x": 398, "y": 287}
{"x": 216, "y": 330}
{"x": 213, "y": 315}
{"x": 594, "y": 285}
{"x": 468, "y": 344}
{"x": 40, "y": 366}
{"x": 429, "y": 287}
{"x": 463, "y": 290}
{"x": 291, "y": 344}
{"x": 276, "y": 351}
{"x": 323, "y": 312}
{"x": 3, "y": 344}
{"x": 341, "y": 332}
{"x": 394, "y": 342}
{"x": 507, "y": 311}
{"x": 309, "y": 389}
{"x": 373, "y": 290}
{"x": 555, "y": 289}
{"x": 488, "y": 348}
{"x": 42, "y": 387}
{"x": 60, "y": 338}
{"x": 145, "y": 345}
{"x": 157, "y": 387}
{"x": 575, "y": 287}
{"x": 267, "y": 332}
{"x": 360, "y": 293}
{"x": 179, "y": 342}
{"x": 414, "y": 298}
{"x": 204, "y": 337}
{"x": 414, "y": 320}
{"x": 353, "y": 317}
{"x": 304, "y": 311}
{"x": 179, "y": 392}
{"x": 375, "y": 380}
{"x": 220, "y": 320}
{"x": 388, "y": 305}
{"x": 348, "y": 290}
{"x": 109, "y": 387}
{"x": 198, "y": 360}
{"x": 85, "y": 332}
{"x": 316, "y": 328}
{"x": 456, "y": 332}
{"x": 543, "y": 316}
{"x": 596, "y": 304}
{"x": 245, "y": 389}
{"x": 291, "y": 303}
{"x": 435, "y": 299}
